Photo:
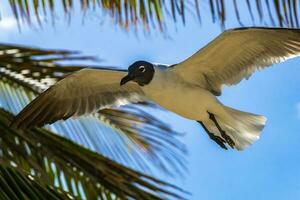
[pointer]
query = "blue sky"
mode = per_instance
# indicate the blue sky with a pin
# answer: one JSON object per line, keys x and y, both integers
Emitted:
{"x": 267, "y": 170}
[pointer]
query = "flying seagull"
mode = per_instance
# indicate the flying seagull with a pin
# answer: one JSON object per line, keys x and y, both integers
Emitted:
{"x": 189, "y": 88}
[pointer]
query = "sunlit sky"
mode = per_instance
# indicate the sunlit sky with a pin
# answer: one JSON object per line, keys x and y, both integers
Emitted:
{"x": 270, "y": 169}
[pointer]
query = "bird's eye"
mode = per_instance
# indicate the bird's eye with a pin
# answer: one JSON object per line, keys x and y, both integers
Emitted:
{"x": 142, "y": 69}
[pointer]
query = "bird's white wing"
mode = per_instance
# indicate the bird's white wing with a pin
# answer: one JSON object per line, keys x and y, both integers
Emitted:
{"x": 82, "y": 92}
{"x": 238, "y": 53}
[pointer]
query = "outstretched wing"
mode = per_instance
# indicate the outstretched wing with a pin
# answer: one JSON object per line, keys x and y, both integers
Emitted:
{"x": 82, "y": 92}
{"x": 238, "y": 53}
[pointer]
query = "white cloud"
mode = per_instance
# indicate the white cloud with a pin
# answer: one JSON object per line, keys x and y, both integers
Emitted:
{"x": 8, "y": 24}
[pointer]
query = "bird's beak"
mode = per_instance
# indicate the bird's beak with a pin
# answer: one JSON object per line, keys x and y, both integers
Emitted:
{"x": 126, "y": 79}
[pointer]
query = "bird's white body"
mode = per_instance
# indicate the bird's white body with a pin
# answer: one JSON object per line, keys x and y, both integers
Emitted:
{"x": 193, "y": 101}
{"x": 173, "y": 93}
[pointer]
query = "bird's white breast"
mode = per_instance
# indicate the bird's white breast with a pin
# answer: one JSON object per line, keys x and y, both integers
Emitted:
{"x": 171, "y": 92}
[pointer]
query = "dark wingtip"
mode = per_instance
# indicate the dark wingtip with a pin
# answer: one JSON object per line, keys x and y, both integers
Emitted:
{"x": 18, "y": 122}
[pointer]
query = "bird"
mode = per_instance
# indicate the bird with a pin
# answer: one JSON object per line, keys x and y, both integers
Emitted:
{"x": 189, "y": 88}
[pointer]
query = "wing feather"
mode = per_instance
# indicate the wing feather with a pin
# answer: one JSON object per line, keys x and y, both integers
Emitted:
{"x": 83, "y": 92}
{"x": 237, "y": 54}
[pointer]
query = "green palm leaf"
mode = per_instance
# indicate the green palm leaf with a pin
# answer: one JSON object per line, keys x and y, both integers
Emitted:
{"x": 152, "y": 14}
{"x": 52, "y": 160}
{"x": 21, "y": 185}
{"x": 129, "y": 135}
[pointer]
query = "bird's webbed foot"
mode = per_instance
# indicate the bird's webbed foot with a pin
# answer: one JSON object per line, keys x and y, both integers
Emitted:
{"x": 219, "y": 140}
{"x": 227, "y": 138}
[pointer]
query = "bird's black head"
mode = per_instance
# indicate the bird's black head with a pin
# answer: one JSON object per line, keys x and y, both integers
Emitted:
{"x": 140, "y": 72}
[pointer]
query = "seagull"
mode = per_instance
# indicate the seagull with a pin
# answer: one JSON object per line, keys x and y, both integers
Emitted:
{"x": 189, "y": 88}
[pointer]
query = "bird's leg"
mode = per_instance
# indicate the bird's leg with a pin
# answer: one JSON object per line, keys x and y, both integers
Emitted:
{"x": 223, "y": 133}
{"x": 220, "y": 141}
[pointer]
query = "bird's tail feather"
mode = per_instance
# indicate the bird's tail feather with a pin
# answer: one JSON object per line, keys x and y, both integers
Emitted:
{"x": 245, "y": 128}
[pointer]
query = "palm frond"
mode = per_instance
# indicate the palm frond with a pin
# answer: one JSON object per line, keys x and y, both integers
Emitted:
{"x": 17, "y": 185}
{"x": 151, "y": 14}
{"x": 52, "y": 160}
{"x": 128, "y": 135}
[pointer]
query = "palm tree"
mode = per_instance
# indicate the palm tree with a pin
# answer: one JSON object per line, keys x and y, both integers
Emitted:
{"x": 152, "y": 14}
{"x": 94, "y": 157}
{"x": 38, "y": 163}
